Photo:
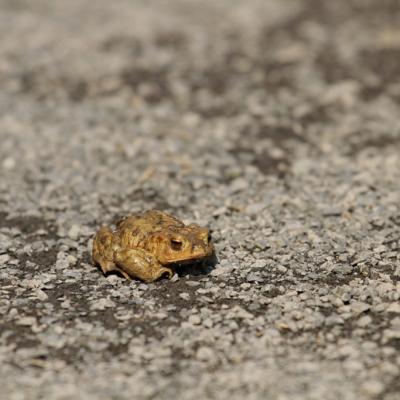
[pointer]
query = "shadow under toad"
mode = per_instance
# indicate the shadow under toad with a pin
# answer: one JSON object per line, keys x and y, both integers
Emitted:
{"x": 197, "y": 268}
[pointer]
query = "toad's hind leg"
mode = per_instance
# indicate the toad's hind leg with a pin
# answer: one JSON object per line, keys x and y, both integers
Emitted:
{"x": 103, "y": 250}
{"x": 141, "y": 264}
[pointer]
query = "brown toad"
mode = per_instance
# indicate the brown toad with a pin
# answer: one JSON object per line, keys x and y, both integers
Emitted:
{"x": 144, "y": 246}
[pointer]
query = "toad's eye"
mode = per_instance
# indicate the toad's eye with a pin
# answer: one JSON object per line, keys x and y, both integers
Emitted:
{"x": 176, "y": 244}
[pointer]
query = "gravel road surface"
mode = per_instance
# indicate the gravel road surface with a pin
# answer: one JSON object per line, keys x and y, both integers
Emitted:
{"x": 275, "y": 123}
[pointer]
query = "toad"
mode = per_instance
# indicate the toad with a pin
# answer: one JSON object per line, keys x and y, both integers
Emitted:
{"x": 145, "y": 246}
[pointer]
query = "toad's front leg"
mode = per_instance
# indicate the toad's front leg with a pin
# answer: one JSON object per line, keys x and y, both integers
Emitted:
{"x": 139, "y": 263}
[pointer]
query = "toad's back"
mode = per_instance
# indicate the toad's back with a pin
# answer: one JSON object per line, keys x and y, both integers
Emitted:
{"x": 139, "y": 230}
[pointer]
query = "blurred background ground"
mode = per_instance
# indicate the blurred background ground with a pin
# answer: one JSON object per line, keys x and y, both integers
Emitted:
{"x": 275, "y": 123}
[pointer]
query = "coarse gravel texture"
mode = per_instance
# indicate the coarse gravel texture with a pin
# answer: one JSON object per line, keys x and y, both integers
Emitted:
{"x": 275, "y": 123}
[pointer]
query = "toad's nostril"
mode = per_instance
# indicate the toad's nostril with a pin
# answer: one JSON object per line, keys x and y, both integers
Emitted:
{"x": 198, "y": 248}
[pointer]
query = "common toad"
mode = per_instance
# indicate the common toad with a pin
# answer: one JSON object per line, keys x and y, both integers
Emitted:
{"x": 144, "y": 246}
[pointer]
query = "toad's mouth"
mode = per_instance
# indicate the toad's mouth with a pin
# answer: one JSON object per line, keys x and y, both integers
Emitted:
{"x": 190, "y": 261}
{"x": 202, "y": 260}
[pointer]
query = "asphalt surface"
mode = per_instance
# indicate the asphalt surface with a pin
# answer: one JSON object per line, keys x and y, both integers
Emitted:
{"x": 274, "y": 123}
